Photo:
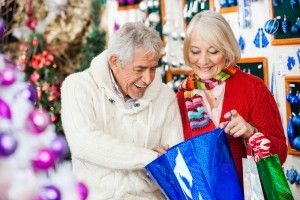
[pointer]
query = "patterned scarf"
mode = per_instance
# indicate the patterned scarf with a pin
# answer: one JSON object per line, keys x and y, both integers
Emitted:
{"x": 194, "y": 103}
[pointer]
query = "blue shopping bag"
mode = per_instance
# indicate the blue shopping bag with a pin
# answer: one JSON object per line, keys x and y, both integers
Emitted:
{"x": 198, "y": 168}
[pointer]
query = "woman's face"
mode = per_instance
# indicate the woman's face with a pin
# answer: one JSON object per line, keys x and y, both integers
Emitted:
{"x": 205, "y": 60}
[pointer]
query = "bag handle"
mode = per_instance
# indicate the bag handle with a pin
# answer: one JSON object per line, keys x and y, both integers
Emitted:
{"x": 258, "y": 146}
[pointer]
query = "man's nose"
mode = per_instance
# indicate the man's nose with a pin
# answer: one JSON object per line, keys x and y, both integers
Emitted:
{"x": 148, "y": 77}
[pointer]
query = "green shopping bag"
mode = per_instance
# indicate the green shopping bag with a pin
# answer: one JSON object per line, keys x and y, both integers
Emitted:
{"x": 272, "y": 178}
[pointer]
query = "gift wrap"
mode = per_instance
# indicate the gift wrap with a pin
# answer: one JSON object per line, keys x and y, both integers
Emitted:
{"x": 198, "y": 168}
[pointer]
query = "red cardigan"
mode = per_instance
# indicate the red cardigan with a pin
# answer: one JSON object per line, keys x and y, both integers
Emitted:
{"x": 251, "y": 98}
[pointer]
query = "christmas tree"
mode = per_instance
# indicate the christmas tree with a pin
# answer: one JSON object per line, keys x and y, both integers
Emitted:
{"x": 95, "y": 41}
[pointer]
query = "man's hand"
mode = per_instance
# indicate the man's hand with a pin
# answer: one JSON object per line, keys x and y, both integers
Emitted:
{"x": 161, "y": 149}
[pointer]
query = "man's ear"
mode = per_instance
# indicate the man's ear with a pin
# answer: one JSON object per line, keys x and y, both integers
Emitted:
{"x": 113, "y": 61}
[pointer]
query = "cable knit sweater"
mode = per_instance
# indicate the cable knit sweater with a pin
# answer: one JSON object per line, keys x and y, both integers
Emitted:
{"x": 110, "y": 145}
{"x": 251, "y": 98}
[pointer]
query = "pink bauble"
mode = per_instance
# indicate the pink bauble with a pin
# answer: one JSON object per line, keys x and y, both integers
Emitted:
{"x": 8, "y": 76}
{"x": 49, "y": 192}
{"x": 44, "y": 159}
{"x": 4, "y": 110}
{"x": 2, "y": 28}
{"x": 82, "y": 190}
{"x": 37, "y": 121}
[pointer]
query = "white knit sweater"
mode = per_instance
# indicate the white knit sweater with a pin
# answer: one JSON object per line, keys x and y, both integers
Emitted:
{"x": 110, "y": 145}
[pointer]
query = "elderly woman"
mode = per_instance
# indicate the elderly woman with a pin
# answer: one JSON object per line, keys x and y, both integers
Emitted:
{"x": 219, "y": 94}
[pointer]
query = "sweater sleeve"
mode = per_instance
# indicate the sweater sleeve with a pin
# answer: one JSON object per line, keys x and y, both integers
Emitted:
{"x": 86, "y": 140}
{"x": 266, "y": 118}
{"x": 172, "y": 132}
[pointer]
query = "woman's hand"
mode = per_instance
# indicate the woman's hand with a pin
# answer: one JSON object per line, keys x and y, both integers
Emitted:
{"x": 236, "y": 126}
{"x": 161, "y": 149}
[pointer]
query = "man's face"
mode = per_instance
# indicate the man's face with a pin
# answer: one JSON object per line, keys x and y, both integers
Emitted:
{"x": 134, "y": 78}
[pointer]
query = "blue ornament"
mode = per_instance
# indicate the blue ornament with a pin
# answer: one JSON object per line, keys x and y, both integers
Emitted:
{"x": 296, "y": 143}
{"x": 296, "y": 120}
{"x": 223, "y": 3}
{"x": 298, "y": 20}
{"x": 292, "y": 3}
{"x": 232, "y": 2}
{"x": 298, "y": 180}
{"x": 242, "y": 43}
{"x": 257, "y": 39}
{"x": 271, "y": 26}
{"x": 264, "y": 39}
{"x": 291, "y": 62}
{"x": 294, "y": 29}
{"x": 291, "y": 132}
{"x": 291, "y": 175}
{"x": 49, "y": 192}
{"x": 284, "y": 25}
{"x": 275, "y": 3}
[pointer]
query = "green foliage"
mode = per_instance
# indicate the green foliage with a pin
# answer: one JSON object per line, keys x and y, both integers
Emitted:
{"x": 95, "y": 41}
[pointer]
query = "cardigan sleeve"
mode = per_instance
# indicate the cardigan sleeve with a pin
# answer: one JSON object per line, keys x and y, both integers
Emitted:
{"x": 172, "y": 132}
{"x": 86, "y": 140}
{"x": 265, "y": 117}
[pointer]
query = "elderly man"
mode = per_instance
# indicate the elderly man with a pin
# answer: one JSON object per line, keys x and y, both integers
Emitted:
{"x": 118, "y": 116}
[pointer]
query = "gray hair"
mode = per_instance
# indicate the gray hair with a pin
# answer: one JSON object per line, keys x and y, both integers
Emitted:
{"x": 214, "y": 29}
{"x": 132, "y": 36}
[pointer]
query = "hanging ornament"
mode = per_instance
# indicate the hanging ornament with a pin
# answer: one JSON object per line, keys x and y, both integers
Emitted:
{"x": 298, "y": 22}
{"x": 49, "y": 192}
{"x": 2, "y": 28}
{"x": 260, "y": 40}
{"x": 292, "y": 175}
{"x": 37, "y": 121}
{"x": 296, "y": 143}
{"x": 296, "y": 120}
{"x": 4, "y": 110}
{"x": 44, "y": 159}
{"x": 271, "y": 26}
{"x": 294, "y": 28}
{"x": 143, "y": 6}
{"x": 292, "y": 3}
{"x": 244, "y": 13}
{"x": 59, "y": 147}
{"x": 284, "y": 25}
{"x": 264, "y": 39}
{"x": 29, "y": 93}
{"x": 8, "y": 76}
{"x": 8, "y": 144}
{"x": 82, "y": 191}
{"x": 242, "y": 44}
{"x": 291, "y": 63}
{"x": 291, "y": 132}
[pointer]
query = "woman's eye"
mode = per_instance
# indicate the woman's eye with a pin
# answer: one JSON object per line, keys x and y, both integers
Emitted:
{"x": 213, "y": 52}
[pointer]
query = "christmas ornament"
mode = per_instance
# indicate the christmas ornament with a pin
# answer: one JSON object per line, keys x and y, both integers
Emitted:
{"x": 29, "y": 93}
{"x": 271, "y": 26}
{"x": 49, "y": 192}
{"x": 8, "y": 144}
{"x": 4, "y": 110}
{"x": 2, "y": 28}
{"x": 284, "y": 25}
{"x": 8, "y": 76}
{"x": 292, "y": 175}
{"x": 44, "y": 159}
{"x": 59, "y": 147}
{"x": 37, "y": 121}
{"x": 82, "y": 190}
{"x": 260, "y": 40}
{"x": 291, "y": 63}
{"x": 242, "y": 43}
{"x": 296, "y": 120}
{"x": 296, "y": 143}
{"x": 290, "y": 132}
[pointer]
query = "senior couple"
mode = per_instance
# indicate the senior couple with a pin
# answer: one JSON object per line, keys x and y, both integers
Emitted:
{"x": 118, "y": 116}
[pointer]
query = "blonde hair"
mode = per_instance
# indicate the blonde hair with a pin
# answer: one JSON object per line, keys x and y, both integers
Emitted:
{"x": 214, "y": 29}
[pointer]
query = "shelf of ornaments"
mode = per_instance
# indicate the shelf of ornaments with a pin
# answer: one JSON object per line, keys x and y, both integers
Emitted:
{"x": 292, "y": 88}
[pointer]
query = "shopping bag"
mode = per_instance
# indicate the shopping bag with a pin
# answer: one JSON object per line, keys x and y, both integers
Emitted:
{"x": 252, "y": 185}
{"x": 274, "y": 183}
{"x": 198, "y": 168}
{"x": 272, "y": 178}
